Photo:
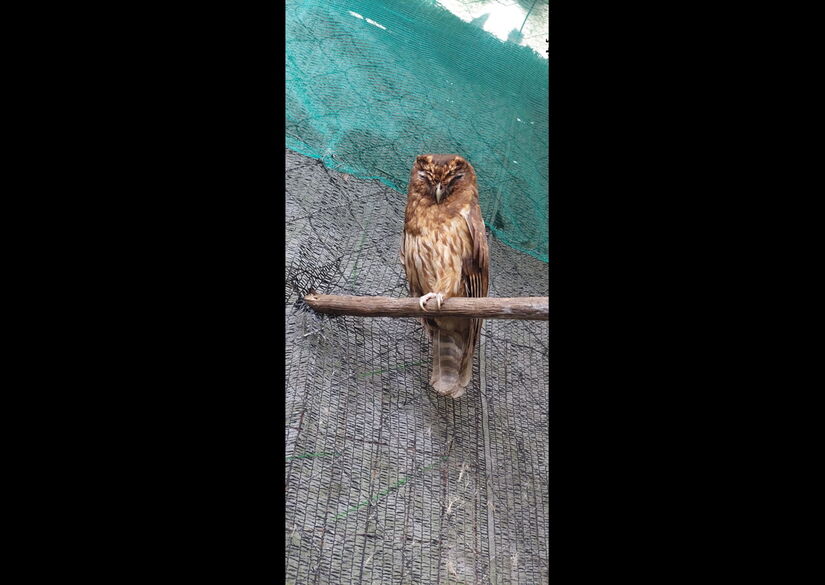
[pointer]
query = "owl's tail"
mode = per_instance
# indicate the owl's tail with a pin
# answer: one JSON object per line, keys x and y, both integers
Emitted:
{"x": 448, "y": 349}
{"x": 453, "y": 350}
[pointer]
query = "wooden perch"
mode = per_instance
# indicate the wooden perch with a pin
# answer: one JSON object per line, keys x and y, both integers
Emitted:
{"x": 532, "y": 308}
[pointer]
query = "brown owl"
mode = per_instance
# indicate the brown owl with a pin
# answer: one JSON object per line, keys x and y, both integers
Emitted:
{"x": 444, "y": 252}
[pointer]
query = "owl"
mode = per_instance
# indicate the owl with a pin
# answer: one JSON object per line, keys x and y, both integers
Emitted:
{"x": 444, "y": 253}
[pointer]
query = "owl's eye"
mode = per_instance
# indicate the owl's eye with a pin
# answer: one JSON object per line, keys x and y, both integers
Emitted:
{"x": 457, "y": 177}
{"x": 422, "y": 174}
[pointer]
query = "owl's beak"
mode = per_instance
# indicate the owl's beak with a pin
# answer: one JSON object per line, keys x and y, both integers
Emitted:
{"x": 438, "y": 193}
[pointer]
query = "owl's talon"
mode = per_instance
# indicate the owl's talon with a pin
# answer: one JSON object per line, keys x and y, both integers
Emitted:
{"x": 423, "y": 300}
{"x": 439, "y": 298}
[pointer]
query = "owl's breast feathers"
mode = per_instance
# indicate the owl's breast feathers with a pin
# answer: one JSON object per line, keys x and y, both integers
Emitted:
{"x": 445, "y": 246}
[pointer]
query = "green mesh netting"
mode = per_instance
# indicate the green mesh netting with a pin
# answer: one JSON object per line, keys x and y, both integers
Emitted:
{"x": 372, "y": 84}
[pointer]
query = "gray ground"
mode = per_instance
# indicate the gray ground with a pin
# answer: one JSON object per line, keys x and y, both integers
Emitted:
{"x": 387, "y": 482}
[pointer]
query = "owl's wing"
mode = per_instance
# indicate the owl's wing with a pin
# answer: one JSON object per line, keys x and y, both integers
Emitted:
{"x": 402, "y": 252}
{"x": 475, "y": 267}
{"x": 409, "y": 250}
{"x": 475, "y": 276}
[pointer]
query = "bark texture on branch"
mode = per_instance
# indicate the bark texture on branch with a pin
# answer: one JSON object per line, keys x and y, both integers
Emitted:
{"x": 529, "y": 308}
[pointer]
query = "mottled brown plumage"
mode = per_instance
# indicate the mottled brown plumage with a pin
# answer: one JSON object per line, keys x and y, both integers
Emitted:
{"x": 444, "y": 252}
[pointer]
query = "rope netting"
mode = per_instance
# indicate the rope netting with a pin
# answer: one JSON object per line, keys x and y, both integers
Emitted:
{"x": 370, "y": 84}
{"x": 386, "y": 481}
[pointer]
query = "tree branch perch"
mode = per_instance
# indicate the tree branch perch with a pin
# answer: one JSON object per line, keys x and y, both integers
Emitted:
{"x": 529, "y": 308}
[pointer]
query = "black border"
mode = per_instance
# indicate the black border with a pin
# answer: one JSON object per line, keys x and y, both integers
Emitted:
{"x": 166, "y": 123}
{"x": 180, "y": 141}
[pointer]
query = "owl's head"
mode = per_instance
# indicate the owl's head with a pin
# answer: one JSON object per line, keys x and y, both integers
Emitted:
{"x": 440, "y": 174}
